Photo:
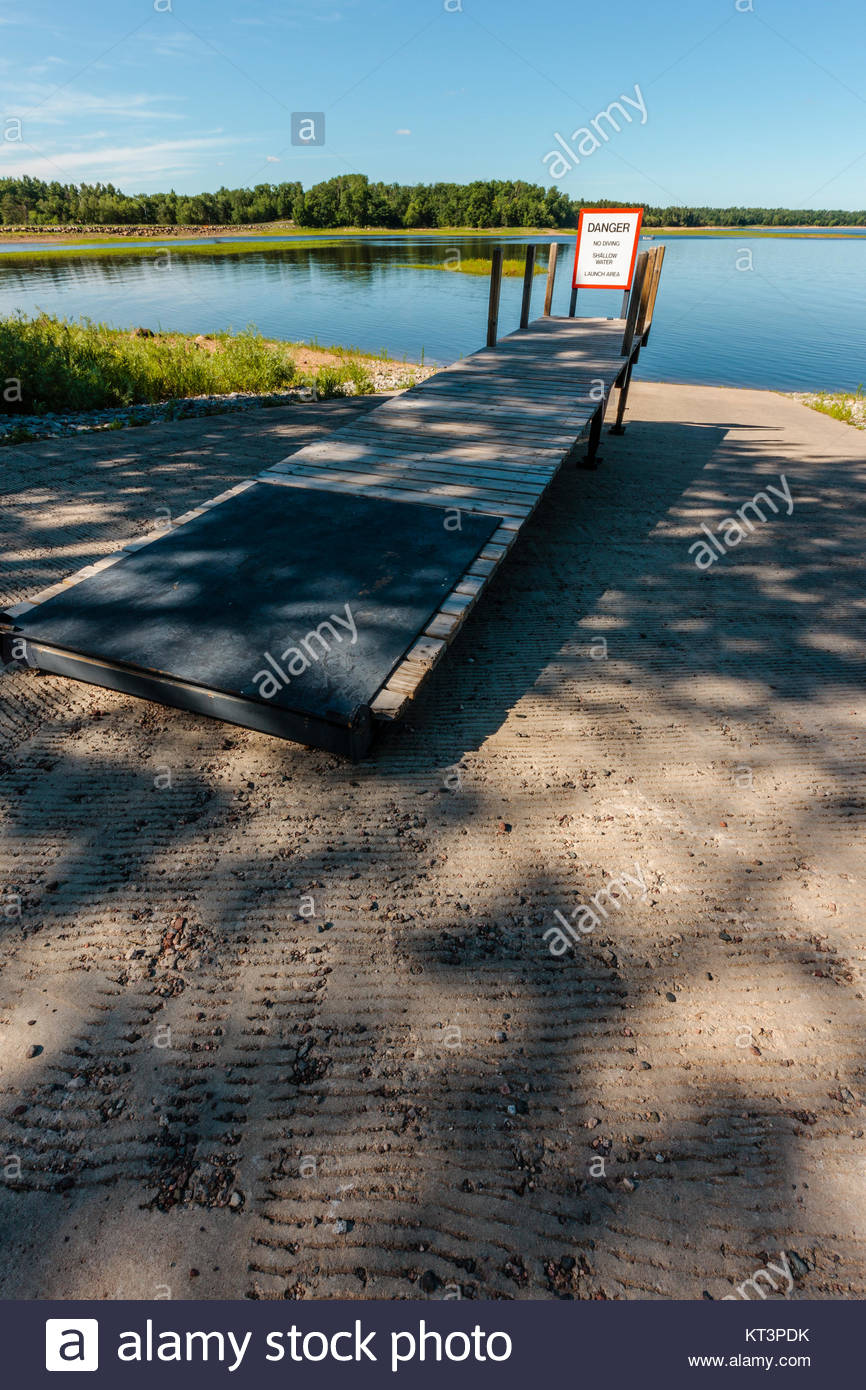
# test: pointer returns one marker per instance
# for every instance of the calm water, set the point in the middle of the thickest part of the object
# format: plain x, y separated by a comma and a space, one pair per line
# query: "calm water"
793, 321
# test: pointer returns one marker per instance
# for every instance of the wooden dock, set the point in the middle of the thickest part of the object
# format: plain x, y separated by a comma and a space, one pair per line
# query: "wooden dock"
488, 435
483, 438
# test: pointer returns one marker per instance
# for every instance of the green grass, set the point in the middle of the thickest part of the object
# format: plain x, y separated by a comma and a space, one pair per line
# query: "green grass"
792, 232
155, 250
67, 366
478, 266
19, 435
332, 381
848, 406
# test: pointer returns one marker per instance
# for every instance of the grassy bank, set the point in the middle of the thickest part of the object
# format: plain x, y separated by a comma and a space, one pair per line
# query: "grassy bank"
848, 406
814, 234
55, 365
156, 251
477, 266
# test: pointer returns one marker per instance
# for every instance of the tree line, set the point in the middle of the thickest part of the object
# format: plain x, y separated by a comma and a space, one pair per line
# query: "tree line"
352, 200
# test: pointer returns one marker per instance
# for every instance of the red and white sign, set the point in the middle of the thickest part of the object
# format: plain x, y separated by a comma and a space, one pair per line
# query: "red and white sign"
606, 248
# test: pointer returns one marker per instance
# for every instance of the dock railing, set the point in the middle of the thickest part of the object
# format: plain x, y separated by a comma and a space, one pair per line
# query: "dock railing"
638, 304
528, 279
645, 287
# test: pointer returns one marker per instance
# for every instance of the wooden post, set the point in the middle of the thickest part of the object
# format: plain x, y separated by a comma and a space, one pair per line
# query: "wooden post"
624, 310
654, 289
645, 293
634, 303
528, 274
572, 303
551, 276
495, 287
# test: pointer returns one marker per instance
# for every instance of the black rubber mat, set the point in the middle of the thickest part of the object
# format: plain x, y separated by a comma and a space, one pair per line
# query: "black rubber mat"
300, 599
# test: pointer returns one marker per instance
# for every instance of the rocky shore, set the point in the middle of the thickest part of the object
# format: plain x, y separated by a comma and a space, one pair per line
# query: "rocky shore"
137, 230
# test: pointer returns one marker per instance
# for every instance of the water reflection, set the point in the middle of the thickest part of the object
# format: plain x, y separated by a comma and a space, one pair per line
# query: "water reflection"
792, 321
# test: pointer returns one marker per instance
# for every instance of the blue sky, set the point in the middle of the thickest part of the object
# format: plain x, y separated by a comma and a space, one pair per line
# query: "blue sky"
757, 102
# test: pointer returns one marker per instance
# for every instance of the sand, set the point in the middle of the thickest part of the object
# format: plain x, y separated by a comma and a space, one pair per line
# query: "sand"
278, 1026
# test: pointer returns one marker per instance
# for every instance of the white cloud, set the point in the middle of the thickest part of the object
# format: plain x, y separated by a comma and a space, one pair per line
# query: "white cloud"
45, 104
272, 159
117, 164
402, 131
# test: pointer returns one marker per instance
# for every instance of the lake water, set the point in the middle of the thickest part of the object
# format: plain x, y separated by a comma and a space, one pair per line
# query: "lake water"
784, 313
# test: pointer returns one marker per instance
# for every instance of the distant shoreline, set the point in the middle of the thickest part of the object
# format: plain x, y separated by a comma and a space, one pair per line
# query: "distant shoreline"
98, 237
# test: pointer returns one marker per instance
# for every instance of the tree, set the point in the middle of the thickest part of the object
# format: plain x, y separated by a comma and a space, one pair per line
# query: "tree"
350, 200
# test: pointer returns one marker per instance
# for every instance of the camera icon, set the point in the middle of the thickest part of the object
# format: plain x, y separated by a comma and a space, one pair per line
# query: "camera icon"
71, 1344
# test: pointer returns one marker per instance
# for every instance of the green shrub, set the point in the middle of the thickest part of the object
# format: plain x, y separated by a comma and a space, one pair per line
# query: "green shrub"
19, 435
848, 406
348, 380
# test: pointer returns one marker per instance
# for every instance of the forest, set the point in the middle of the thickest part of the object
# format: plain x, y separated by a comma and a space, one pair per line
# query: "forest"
352, 200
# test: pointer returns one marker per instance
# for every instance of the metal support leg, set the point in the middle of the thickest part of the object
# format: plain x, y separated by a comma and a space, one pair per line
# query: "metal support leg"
619, 427
591, 460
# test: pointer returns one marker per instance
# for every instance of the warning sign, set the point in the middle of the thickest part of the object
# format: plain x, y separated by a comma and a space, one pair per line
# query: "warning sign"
606, 248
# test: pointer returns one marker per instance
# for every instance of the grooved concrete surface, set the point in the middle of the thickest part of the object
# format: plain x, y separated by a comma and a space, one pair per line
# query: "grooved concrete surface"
297, 1030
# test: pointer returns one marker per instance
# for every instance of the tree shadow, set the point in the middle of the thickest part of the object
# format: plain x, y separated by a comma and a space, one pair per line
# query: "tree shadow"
75, 499
461, 1163
592, 564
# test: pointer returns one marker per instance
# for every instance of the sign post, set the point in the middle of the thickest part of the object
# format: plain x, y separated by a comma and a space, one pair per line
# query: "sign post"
606, 250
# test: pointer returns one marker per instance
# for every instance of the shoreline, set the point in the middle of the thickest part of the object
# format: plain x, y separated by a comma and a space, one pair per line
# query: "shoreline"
285, 234
846, 407
383, 375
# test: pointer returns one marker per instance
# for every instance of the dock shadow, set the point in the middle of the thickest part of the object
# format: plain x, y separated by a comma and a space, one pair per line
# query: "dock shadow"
568, 555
